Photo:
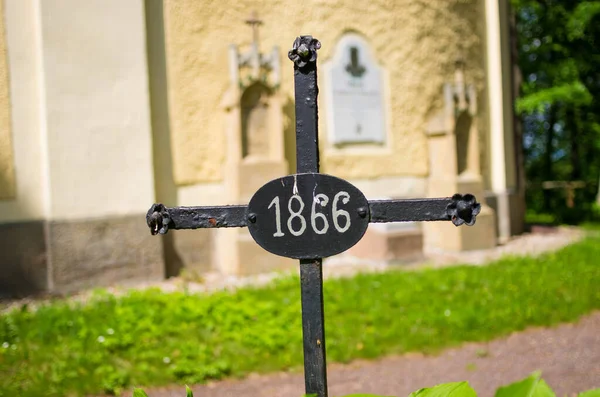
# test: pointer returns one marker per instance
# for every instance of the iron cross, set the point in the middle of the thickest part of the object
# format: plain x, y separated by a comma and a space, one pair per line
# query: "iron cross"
338, 217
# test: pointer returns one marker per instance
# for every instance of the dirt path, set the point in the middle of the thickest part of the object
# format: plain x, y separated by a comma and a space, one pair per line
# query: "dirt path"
568, 355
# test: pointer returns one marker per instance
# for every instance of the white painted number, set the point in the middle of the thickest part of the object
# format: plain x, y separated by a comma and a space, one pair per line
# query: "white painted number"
337, 213
297, 214
323, 200
320, 199
278, 232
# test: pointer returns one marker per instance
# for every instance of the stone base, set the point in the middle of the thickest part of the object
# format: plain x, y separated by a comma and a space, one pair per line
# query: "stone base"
387, 244
192, 251
444, 236
515, 203
253, 259
253, 175
23, 259
61, 257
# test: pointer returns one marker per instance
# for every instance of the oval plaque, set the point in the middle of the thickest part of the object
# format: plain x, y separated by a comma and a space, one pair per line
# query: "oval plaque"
305, 216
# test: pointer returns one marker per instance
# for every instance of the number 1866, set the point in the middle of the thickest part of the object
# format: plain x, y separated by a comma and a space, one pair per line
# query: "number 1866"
320, 199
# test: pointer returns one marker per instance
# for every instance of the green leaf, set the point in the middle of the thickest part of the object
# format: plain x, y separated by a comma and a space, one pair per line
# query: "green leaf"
139, 393
590, 393
455, 389
188, 391
581, 18
532, 386
572, 93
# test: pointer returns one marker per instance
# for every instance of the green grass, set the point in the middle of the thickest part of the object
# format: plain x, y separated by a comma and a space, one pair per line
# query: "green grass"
151, 338
532, 217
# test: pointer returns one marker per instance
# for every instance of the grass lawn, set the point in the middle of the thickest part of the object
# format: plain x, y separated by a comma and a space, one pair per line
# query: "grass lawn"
150, 338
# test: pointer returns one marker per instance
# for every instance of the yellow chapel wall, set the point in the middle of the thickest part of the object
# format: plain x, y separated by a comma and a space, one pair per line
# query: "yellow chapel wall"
415, 41
7, 166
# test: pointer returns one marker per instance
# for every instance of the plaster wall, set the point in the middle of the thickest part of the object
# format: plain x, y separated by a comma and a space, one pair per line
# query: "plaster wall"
7, 166
97, 108
505, 193
24, 66
502, 158
416, 42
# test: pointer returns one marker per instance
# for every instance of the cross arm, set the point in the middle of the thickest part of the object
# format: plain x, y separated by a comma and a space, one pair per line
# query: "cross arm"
563, 184
459, 209
160, 218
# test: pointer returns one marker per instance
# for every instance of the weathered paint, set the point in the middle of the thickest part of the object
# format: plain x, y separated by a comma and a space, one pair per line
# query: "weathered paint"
416, 41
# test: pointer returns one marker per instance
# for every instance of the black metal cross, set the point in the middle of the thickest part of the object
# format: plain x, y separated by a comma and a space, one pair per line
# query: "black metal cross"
459, 209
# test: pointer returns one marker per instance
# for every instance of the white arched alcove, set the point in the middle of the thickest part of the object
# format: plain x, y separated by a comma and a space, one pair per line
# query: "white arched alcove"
355, 94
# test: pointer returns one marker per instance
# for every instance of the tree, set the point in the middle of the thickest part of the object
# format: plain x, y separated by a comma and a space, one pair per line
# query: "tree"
559, 102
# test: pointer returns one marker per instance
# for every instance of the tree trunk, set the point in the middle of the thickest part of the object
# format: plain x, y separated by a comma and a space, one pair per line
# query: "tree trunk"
575, 156
548, 175
598, 194
517, 80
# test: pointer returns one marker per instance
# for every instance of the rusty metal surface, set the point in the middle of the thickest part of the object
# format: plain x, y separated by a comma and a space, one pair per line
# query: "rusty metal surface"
459, 209
161, 219
304, 56
313, 326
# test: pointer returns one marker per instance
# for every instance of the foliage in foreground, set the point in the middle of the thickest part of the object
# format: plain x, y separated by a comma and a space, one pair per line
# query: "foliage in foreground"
532, 386
152, 338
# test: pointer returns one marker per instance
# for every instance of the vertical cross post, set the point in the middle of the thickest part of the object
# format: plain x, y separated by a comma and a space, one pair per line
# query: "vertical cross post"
304, 54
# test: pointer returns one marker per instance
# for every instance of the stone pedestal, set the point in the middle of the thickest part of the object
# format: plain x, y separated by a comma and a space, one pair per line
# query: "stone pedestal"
255, 155
453, 141
390, 242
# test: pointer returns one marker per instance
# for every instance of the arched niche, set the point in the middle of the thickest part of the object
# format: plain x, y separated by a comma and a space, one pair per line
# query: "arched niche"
462, 132
355, 93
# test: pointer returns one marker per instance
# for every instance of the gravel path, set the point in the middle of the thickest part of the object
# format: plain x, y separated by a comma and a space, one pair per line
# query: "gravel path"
531, 244
568, 356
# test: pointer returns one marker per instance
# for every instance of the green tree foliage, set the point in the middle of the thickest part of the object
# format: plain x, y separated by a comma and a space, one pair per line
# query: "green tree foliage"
558, 44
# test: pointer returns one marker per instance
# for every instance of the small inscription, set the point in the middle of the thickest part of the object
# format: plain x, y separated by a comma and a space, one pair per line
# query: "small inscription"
319, 199
355, 94
306, 216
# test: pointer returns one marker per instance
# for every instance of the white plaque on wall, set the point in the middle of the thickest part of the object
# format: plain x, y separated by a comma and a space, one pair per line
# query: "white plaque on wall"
355, 94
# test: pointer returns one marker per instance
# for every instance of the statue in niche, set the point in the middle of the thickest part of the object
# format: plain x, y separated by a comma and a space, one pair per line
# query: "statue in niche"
255, 121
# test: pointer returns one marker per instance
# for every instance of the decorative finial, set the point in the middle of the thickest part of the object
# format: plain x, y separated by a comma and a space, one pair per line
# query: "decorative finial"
257, 63
254, 22
158, 219
459, 62
304, 50
463, 209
